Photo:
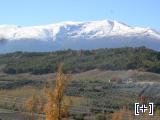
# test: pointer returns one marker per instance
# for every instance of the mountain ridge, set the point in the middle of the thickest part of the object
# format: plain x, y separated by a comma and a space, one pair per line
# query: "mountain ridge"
76, 35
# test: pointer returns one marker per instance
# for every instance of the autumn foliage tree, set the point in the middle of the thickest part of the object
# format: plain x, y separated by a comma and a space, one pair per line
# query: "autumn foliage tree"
56, 108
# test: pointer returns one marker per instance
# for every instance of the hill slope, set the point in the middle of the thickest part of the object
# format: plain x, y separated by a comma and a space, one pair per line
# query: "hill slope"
82, 60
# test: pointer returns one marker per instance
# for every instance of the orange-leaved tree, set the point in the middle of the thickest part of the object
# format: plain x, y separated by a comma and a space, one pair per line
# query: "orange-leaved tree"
56, 108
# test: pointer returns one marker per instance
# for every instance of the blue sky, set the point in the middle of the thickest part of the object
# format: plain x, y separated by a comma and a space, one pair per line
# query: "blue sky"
144, 13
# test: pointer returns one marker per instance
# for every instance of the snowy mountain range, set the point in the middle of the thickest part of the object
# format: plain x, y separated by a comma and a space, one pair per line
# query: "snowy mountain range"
76, 35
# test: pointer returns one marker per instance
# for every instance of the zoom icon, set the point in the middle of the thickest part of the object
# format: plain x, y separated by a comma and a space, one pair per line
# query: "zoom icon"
143, 108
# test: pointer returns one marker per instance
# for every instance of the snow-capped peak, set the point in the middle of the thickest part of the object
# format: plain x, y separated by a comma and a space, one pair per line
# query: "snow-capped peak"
76, 35
71, 29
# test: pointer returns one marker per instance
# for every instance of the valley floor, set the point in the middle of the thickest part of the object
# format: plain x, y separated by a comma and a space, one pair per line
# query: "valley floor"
92, 93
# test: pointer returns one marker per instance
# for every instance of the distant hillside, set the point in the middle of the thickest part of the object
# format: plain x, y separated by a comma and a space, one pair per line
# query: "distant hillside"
82, 60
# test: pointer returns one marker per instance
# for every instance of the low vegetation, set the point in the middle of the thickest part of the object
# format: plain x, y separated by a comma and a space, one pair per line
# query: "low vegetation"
82, 60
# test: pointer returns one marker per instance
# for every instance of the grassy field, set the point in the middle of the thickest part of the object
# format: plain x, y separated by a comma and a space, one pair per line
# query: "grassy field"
95, 91
13, 115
